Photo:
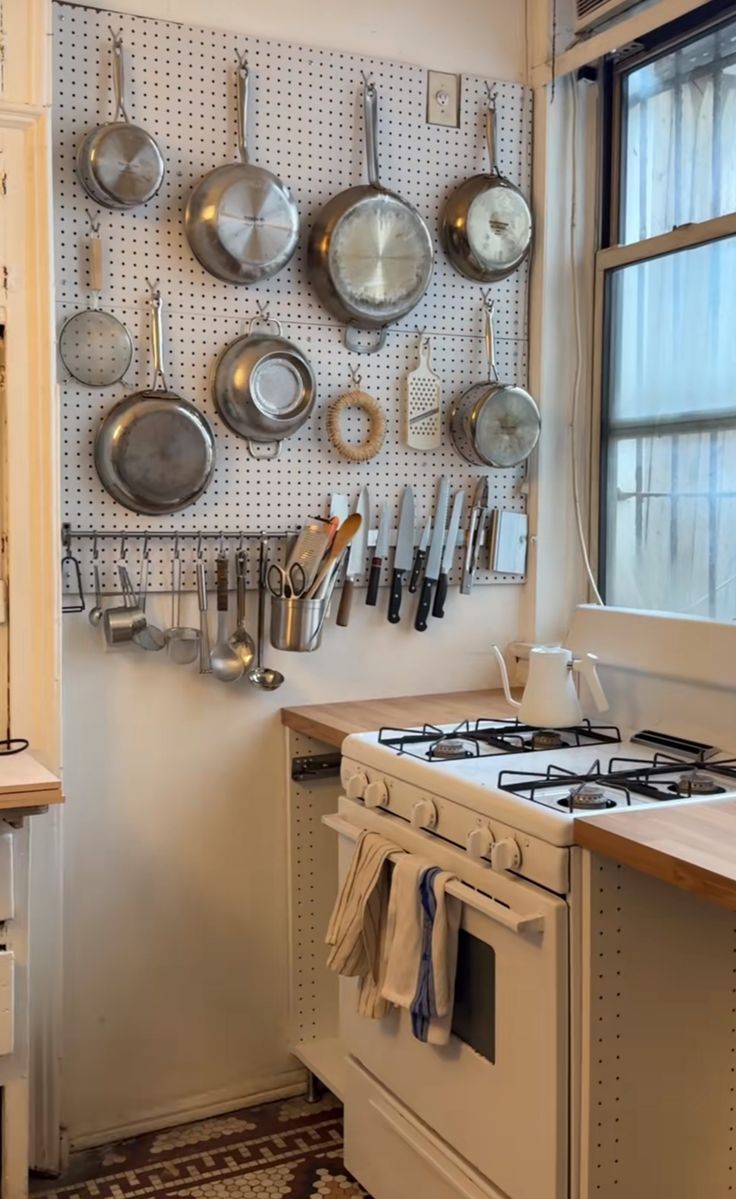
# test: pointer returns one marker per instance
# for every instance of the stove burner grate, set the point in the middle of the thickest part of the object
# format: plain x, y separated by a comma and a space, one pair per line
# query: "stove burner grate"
504, 736
695, 782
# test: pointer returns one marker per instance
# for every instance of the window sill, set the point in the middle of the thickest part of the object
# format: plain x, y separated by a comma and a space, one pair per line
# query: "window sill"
660, 643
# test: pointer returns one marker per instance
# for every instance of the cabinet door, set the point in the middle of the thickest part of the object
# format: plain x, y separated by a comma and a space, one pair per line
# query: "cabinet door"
25, 47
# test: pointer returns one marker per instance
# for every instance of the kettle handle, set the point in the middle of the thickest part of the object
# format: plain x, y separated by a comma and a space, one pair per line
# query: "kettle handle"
505, 678
586, 666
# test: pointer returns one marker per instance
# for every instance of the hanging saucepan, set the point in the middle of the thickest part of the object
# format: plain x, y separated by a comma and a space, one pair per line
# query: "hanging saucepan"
493, 423
264, 388
120, 165
370, 252
155, 452
242, 222
487, 222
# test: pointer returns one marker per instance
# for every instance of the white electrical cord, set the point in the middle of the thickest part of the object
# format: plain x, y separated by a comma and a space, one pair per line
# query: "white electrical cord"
578, 349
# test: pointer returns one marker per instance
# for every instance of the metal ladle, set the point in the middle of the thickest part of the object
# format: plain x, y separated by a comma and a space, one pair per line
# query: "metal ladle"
96, 613
240, 639
226, 663
259, 675
149, 637
182, 640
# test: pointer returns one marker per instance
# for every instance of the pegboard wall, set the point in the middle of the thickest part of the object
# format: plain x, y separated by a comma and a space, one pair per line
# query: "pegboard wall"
305, 124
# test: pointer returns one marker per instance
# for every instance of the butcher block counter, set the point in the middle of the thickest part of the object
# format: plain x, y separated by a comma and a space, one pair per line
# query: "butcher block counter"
691, 846
25, 784
332, 723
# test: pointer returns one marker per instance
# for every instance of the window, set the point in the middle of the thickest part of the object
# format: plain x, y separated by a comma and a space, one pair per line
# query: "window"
668, 288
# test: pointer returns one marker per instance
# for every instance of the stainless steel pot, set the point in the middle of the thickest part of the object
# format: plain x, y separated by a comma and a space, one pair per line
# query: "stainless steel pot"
242, 222
370, 253
155, 452
494, 423
120, 165
486, 224
264, 388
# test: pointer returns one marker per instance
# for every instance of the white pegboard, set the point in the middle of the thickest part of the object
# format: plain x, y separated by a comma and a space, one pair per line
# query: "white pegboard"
306, 125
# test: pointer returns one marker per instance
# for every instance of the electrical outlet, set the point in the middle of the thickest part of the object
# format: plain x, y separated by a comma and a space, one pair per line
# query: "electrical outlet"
443, 99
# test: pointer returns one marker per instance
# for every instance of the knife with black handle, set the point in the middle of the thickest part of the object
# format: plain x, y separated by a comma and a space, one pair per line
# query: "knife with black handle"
419, 557
440, 595
402, 557
379, 554
433, 558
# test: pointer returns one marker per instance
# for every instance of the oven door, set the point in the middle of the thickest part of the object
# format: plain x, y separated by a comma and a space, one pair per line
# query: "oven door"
498, 1092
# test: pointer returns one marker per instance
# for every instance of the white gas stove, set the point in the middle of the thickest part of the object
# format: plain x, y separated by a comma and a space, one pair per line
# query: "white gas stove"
508, 794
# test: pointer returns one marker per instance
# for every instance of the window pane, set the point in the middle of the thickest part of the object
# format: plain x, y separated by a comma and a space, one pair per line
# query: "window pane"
672, 336
671, 535
678, 156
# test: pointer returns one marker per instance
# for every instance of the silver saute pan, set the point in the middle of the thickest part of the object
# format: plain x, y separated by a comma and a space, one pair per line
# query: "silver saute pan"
494, 423
155, 452
370, 253
120, 165
241, 221
263, 387
487, 222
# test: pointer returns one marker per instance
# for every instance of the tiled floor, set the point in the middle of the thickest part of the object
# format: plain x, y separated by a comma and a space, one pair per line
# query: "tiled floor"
285, 1150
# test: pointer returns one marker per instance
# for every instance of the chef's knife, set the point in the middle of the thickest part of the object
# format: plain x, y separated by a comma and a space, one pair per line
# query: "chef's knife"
421, 554
403, 555
435, 554
440, 595
356, 559
379, 554
475, 535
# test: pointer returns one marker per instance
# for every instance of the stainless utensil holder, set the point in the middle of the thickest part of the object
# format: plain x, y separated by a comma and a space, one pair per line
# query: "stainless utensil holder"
297, 624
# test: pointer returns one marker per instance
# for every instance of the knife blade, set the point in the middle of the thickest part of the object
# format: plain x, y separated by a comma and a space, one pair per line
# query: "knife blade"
434, 557
403, 555
356, 559
440, 595
475, 534
421, 554
379, 553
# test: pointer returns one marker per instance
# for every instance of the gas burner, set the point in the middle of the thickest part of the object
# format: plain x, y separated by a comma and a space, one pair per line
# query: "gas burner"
451, 748
548, 739
588, 797
695, 782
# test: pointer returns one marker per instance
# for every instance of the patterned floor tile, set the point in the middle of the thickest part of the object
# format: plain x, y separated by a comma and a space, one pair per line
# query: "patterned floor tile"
286, 1150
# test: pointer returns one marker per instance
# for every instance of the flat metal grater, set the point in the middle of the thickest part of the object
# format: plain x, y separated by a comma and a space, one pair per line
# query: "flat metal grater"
423, 404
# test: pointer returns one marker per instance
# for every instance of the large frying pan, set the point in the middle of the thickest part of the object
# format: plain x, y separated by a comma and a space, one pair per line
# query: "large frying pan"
155, 452
370, 253
242, 222
120, 165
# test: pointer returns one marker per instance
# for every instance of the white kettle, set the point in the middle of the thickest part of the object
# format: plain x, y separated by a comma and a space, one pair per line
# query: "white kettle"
550, 699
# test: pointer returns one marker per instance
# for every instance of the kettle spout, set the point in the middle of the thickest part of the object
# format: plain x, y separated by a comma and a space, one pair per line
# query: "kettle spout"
505, 679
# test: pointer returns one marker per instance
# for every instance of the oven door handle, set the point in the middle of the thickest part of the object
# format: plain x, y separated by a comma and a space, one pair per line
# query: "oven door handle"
516, 922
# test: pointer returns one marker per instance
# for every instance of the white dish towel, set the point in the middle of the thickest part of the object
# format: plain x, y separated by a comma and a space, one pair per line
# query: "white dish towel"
356, 932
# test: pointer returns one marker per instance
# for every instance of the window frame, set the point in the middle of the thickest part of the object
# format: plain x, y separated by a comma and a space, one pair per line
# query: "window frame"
611, 254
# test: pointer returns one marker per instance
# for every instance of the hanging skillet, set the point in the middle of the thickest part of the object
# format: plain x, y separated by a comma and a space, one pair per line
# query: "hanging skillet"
487, 222
370, 252
155, 452
242, 222
494, 423
120, 165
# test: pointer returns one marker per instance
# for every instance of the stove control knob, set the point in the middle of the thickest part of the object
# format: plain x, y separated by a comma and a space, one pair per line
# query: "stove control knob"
506, 855
355, 785
479, 843
376, 794
423, 814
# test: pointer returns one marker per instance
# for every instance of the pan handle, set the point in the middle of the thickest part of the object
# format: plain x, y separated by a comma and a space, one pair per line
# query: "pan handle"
157, 340
353, 344
243, 97
264, 449
491, 132
489, 306
118, 78
370, 117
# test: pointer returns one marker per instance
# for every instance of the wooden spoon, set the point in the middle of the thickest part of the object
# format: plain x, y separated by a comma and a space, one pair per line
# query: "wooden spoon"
342, 538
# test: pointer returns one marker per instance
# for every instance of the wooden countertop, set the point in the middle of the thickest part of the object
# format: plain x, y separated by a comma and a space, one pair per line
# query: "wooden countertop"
332, 723
24, 783
693, 846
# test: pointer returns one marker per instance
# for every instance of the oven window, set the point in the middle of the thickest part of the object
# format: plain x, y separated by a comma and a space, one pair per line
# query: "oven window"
474, 1016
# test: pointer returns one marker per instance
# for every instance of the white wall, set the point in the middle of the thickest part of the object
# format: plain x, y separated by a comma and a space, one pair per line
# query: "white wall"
481, 37
175, 881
